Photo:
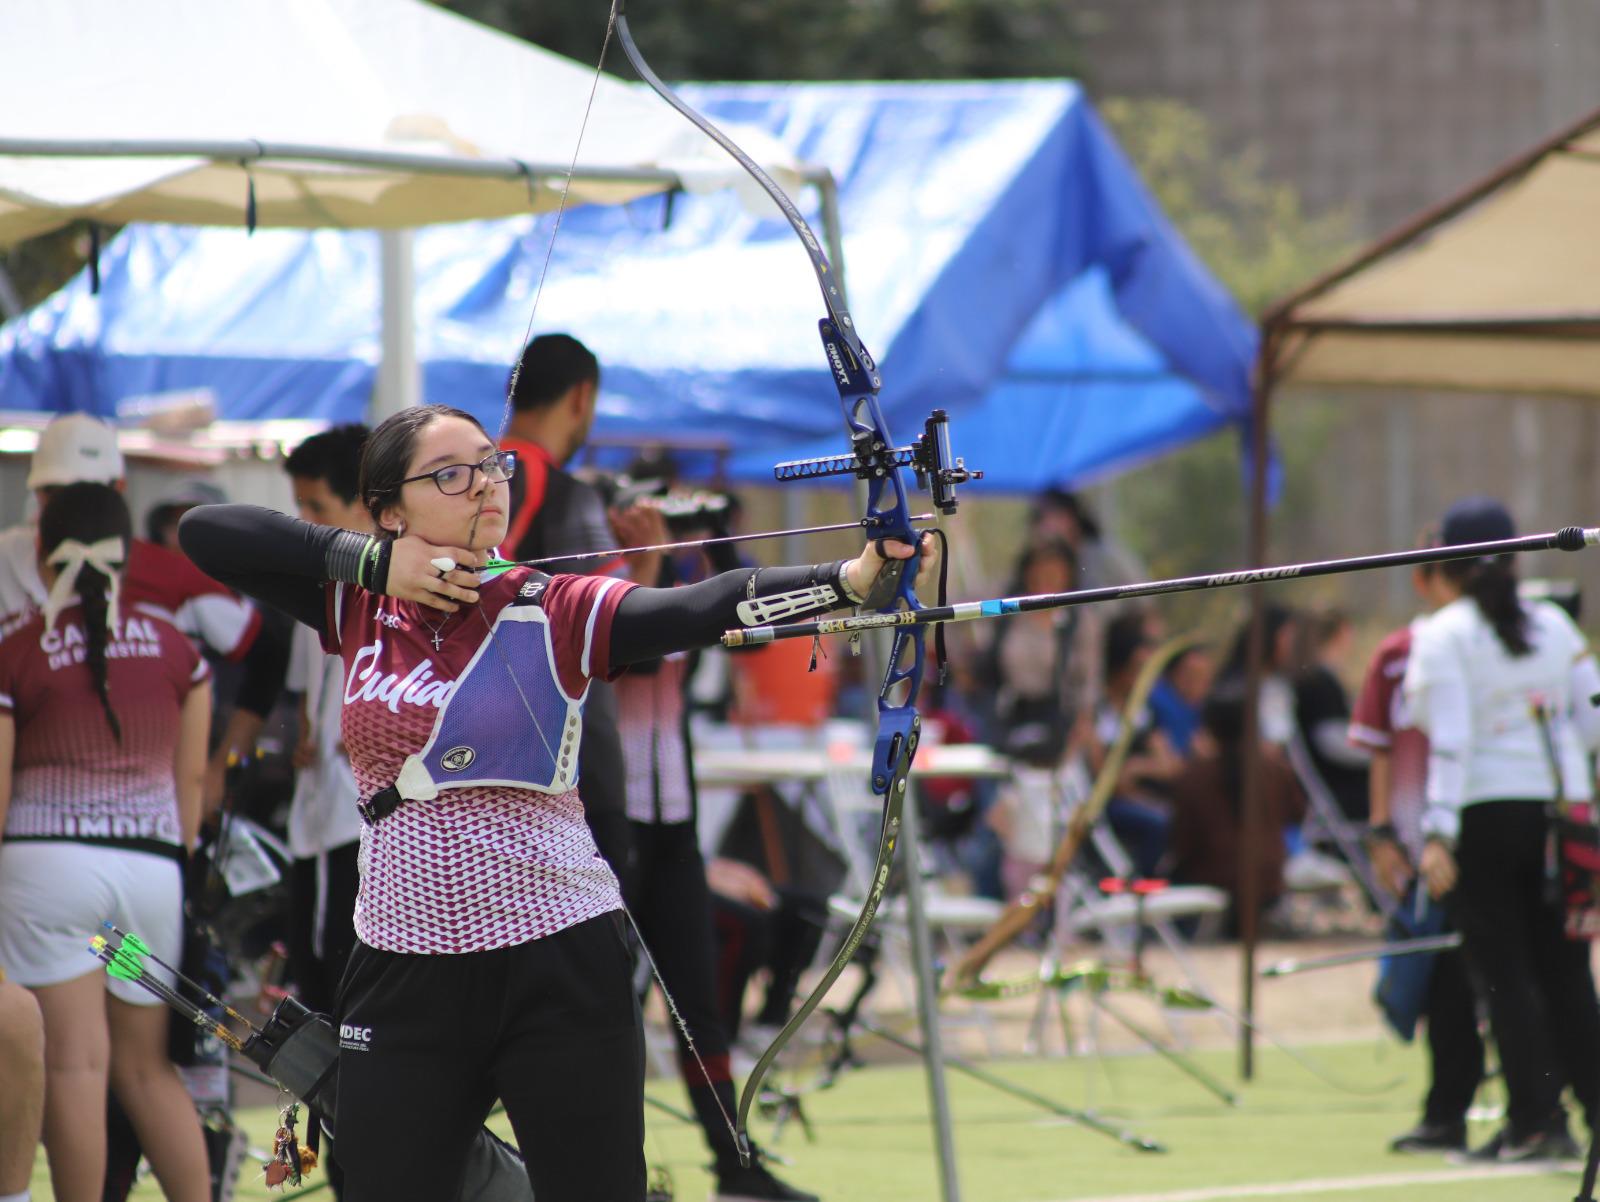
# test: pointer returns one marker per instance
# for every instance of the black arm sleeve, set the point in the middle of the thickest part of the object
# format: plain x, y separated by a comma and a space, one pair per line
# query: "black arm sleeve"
266, 555
652, 622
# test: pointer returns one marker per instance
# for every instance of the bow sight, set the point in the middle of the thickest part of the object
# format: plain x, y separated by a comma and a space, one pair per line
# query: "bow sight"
938, 472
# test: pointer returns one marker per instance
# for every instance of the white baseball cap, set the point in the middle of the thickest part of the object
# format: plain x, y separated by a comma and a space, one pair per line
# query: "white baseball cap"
76, 448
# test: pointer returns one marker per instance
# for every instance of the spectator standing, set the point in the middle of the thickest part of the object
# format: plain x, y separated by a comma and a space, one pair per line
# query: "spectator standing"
1398, 779
557, 386
103, 718
324, 823
1478, 668
77, 448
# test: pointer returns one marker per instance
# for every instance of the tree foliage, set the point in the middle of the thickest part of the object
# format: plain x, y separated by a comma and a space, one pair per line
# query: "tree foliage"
808, 39
1187, 512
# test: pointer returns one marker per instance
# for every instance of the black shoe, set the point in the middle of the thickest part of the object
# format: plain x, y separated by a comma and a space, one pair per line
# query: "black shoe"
1547, 1145
1432, 1137
1501, 1148
755, 1184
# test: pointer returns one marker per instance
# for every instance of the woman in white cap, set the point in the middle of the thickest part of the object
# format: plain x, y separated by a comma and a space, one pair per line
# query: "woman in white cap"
103, 721
1503, 689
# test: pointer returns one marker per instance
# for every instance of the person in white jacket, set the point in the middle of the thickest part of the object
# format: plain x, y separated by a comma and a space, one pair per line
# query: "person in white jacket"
1482, 668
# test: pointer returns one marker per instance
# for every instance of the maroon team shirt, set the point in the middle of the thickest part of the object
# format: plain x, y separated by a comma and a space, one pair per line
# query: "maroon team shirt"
71, 778
1382, 721
476, 868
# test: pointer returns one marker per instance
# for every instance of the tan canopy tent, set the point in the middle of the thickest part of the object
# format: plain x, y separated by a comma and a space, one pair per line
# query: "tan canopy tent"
1495, 290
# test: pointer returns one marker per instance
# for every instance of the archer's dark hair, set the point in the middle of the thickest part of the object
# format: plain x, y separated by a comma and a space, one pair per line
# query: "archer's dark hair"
1492, 583
89, 513
334, 457
549, 367
387, 454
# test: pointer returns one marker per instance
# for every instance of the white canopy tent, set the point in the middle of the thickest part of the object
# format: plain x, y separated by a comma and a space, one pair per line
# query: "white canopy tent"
384, 114
346, 113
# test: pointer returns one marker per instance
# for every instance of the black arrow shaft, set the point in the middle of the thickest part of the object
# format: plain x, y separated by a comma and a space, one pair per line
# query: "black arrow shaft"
1570, 538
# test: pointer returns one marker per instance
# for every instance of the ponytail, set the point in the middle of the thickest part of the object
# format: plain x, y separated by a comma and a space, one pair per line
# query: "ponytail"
1492, 585
95, 517
92, 590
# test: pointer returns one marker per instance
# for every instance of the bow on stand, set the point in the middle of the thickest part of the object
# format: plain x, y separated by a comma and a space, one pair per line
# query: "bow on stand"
873, 458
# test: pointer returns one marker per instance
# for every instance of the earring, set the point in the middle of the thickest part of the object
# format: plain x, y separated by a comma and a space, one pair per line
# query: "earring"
400, 530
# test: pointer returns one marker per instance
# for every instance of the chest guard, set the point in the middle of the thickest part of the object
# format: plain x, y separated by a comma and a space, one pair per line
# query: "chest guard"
484, 735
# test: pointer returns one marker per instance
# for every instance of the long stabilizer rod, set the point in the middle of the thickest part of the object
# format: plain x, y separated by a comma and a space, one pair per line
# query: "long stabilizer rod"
1571, 538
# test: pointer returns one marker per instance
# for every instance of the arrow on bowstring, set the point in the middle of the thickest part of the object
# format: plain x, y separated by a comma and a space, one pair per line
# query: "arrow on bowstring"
1569, 538
868, 524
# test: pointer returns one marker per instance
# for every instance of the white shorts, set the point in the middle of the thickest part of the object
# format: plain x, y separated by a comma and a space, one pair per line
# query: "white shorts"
54, 896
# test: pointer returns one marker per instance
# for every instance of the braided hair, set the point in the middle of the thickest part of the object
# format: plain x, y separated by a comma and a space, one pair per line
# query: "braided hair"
89, 513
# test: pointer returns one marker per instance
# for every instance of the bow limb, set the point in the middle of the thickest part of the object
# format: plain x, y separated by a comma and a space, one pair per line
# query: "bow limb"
888, 516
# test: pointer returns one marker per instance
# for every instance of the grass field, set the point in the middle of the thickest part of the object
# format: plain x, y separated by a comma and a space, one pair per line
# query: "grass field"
1292, 1135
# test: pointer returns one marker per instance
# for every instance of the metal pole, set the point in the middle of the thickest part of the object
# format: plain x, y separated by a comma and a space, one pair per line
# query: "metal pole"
928, 1005
1250, 842
399, 381
10, 302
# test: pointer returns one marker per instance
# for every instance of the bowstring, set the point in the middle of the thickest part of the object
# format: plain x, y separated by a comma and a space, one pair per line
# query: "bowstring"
505, 421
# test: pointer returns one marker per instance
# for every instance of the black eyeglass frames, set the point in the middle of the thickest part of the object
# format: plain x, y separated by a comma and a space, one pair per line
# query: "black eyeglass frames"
455, 478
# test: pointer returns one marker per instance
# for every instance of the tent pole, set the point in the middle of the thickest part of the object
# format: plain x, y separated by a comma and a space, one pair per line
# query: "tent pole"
399, 383
1249, 893
10, 302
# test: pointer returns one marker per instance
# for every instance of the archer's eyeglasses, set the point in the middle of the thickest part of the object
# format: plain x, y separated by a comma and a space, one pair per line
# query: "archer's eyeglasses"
456, 478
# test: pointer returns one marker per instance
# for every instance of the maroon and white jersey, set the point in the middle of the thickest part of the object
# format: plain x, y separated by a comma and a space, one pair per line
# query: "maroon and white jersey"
655, 748
71, 778
474, 868
1382, 721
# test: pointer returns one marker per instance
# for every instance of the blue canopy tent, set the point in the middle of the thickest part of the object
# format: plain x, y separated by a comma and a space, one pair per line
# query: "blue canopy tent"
1003, 261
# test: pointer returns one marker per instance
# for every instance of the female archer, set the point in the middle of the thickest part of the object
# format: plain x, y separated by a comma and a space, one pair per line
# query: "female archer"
490, 960
103, 719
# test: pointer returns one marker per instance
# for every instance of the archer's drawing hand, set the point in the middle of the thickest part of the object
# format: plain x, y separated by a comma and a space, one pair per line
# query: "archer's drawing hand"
862, 572
413, 576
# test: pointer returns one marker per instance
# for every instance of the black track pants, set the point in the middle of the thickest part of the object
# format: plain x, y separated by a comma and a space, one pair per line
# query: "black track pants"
1455, 1049
1539, 985
550, 1027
